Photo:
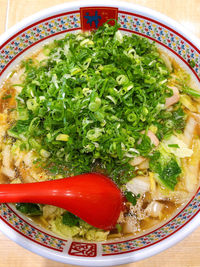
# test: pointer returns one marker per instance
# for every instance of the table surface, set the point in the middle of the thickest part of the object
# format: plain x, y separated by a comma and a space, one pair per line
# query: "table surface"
187, 252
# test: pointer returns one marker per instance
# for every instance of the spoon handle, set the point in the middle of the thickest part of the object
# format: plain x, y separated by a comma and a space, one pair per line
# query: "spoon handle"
39, 192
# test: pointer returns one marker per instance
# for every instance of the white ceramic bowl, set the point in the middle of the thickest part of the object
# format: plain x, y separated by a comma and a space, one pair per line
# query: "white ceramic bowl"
54, 22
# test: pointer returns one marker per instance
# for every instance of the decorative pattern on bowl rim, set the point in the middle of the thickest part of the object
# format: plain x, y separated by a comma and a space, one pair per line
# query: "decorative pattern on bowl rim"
133, 23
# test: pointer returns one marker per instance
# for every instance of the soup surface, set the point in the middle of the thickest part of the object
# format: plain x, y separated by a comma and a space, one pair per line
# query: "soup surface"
109, 103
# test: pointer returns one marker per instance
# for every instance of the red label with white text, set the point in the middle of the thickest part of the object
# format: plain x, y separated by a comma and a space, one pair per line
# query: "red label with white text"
83, 249
94, 17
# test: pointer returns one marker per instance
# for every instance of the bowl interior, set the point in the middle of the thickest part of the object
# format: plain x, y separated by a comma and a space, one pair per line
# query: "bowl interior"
54, 24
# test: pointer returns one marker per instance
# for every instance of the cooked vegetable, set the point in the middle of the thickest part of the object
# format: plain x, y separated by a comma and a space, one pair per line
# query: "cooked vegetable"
138, 185
177, 147
85, 230
29, 209
64, 230
137, 160
187, 102
166, 169
189, 130
70, 219
131, 197
191, 167
154, 209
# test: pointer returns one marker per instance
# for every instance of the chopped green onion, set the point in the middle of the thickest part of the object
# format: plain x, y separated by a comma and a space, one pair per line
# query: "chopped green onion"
174, 145
94, 106
62, 137
191, 92
87, 104
6, 97
32, 104
44, 153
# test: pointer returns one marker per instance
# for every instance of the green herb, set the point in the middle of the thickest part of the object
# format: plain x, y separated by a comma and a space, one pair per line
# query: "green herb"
6, 97
29, 209
174, 145
70, 219
119, 227
190, 91
183, 82
170, 121
131, 197
18, 129
166, 168
100, 90
170, 173
179, 119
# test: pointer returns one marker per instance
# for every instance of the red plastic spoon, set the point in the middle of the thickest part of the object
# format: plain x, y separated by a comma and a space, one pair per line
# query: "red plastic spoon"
92, 197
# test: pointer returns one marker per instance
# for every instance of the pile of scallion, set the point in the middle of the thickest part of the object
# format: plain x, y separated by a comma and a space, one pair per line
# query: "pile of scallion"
89, 104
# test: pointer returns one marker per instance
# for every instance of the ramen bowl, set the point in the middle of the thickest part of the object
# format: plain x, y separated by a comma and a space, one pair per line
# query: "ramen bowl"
54, 23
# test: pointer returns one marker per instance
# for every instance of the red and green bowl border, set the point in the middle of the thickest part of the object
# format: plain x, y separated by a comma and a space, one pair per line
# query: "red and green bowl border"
133, 22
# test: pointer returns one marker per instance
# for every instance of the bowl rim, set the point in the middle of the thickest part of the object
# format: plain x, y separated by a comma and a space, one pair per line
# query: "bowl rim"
115, 259
102, 261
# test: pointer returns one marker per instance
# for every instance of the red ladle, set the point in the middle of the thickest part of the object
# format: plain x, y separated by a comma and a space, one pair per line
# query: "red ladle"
93, 197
